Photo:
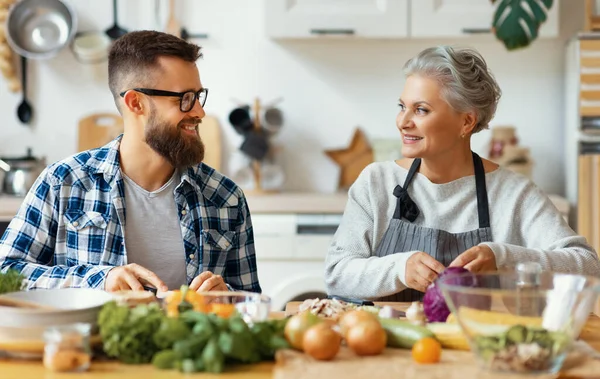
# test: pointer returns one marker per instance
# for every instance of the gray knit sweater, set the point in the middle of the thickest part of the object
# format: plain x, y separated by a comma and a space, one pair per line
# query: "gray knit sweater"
526, 226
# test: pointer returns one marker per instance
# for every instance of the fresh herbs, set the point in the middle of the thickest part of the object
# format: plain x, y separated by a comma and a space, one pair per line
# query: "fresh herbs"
11, 281
128, 333
192, 342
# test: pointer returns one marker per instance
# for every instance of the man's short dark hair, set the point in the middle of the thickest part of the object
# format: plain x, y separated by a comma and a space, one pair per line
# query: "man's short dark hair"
133, 57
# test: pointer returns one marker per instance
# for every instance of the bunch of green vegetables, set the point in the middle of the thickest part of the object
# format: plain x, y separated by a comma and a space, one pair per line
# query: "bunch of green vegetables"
11, 281
128, 333
190, 343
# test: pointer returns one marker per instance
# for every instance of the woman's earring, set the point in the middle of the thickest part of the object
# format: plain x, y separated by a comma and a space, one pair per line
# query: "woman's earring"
462, 136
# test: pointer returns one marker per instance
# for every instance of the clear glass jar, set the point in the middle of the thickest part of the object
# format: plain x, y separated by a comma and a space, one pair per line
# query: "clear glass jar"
67, 347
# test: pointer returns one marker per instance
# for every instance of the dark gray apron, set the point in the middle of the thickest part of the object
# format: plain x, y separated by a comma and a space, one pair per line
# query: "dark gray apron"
402, 236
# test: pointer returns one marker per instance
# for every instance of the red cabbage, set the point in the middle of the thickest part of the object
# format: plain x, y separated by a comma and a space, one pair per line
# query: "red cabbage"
434, 305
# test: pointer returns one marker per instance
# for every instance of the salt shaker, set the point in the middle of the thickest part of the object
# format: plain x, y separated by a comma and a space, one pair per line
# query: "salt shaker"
529, 300
67, 347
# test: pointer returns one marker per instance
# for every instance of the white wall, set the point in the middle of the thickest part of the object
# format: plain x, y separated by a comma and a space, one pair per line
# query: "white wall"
329, 87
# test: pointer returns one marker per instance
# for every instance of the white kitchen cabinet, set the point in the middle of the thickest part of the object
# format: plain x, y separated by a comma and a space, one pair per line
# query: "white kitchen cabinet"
318, 18
463, 18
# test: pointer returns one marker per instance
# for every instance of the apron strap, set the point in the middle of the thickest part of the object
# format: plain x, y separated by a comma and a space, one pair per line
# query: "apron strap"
405, 206
482, 199
414, 167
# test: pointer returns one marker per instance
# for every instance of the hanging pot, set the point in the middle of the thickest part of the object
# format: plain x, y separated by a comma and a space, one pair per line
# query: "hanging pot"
39, 29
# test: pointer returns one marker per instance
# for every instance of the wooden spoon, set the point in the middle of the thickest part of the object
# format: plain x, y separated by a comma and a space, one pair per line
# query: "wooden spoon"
173, 27
10, 302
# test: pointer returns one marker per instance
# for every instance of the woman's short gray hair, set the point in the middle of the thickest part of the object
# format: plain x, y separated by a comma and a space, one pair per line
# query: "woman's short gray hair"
467, 83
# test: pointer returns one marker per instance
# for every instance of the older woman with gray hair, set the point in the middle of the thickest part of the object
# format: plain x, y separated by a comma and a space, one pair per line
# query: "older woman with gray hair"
442, 205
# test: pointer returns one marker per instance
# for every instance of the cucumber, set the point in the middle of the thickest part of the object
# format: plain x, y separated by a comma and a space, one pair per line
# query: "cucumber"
403, 334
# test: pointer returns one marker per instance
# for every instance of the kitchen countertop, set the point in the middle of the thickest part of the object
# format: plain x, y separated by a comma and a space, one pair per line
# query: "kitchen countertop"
112, 369
9, 205
297, 202
284, 202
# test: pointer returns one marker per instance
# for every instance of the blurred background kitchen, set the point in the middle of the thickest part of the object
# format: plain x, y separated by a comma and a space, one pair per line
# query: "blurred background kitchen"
303, 94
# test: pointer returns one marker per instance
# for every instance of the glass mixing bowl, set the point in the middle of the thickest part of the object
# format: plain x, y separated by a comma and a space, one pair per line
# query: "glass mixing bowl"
520, 322
252, 307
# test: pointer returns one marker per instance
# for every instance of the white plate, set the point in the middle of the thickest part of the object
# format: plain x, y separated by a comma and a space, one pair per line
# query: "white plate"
25, 327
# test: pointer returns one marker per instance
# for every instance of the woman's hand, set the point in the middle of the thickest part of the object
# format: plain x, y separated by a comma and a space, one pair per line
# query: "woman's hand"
421, 270
477, 259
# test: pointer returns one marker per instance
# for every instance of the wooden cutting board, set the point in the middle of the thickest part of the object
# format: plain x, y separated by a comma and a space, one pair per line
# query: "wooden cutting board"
398, 363
98, 129
210, 133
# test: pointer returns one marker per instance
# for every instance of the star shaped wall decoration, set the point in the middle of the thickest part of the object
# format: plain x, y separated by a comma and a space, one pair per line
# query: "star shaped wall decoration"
353, 159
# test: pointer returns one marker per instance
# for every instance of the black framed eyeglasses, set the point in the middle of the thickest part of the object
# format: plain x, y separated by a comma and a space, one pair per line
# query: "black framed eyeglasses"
186, 99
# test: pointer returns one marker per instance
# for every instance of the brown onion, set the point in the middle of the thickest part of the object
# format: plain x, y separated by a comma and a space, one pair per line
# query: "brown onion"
322, 342
352, 318
367, 338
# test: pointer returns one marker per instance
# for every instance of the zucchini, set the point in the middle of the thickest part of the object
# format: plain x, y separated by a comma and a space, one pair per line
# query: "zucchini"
403, 334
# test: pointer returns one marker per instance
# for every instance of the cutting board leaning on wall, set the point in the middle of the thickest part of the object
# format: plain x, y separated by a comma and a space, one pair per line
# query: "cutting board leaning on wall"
98, 129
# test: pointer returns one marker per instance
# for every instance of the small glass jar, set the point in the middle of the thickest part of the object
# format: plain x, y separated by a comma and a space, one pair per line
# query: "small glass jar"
67, 347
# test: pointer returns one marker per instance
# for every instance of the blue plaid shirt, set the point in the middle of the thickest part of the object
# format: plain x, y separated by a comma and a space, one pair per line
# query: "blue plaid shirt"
69, 229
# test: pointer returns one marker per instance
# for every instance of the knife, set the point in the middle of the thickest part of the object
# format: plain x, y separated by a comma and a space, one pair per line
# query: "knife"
350, 300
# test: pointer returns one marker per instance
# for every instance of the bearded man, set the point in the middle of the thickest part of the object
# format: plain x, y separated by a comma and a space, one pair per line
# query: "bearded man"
142, 211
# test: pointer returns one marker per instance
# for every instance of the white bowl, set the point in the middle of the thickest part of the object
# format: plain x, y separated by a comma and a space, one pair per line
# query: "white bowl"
21, 329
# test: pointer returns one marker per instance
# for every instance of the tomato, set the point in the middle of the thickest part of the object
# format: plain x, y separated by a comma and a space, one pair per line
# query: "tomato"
427, 350
352, 318
367, 338
321, 342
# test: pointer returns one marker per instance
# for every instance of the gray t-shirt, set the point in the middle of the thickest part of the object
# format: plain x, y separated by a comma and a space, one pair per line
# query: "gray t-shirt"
152, 231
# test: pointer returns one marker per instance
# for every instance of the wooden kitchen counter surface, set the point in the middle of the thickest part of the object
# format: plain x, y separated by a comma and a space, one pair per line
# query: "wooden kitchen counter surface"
114, 370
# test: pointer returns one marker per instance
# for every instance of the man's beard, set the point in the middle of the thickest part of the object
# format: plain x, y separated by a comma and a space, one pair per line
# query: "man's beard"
171, 142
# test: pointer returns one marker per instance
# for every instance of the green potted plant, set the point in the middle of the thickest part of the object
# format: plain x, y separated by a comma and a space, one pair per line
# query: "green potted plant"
517, 22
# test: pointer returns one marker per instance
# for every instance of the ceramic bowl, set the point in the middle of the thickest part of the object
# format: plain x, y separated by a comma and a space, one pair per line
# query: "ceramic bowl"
21, 329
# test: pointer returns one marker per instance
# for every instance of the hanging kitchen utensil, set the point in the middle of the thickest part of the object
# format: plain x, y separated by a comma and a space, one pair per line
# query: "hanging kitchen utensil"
98, 129
24, 111
115, 31
240, 119
173, 26
39, 29
210, 133
157, 15
186, 35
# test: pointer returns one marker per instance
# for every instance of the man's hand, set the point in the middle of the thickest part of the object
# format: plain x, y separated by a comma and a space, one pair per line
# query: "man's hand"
477, 259
132, 277
421, 270
207, 281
